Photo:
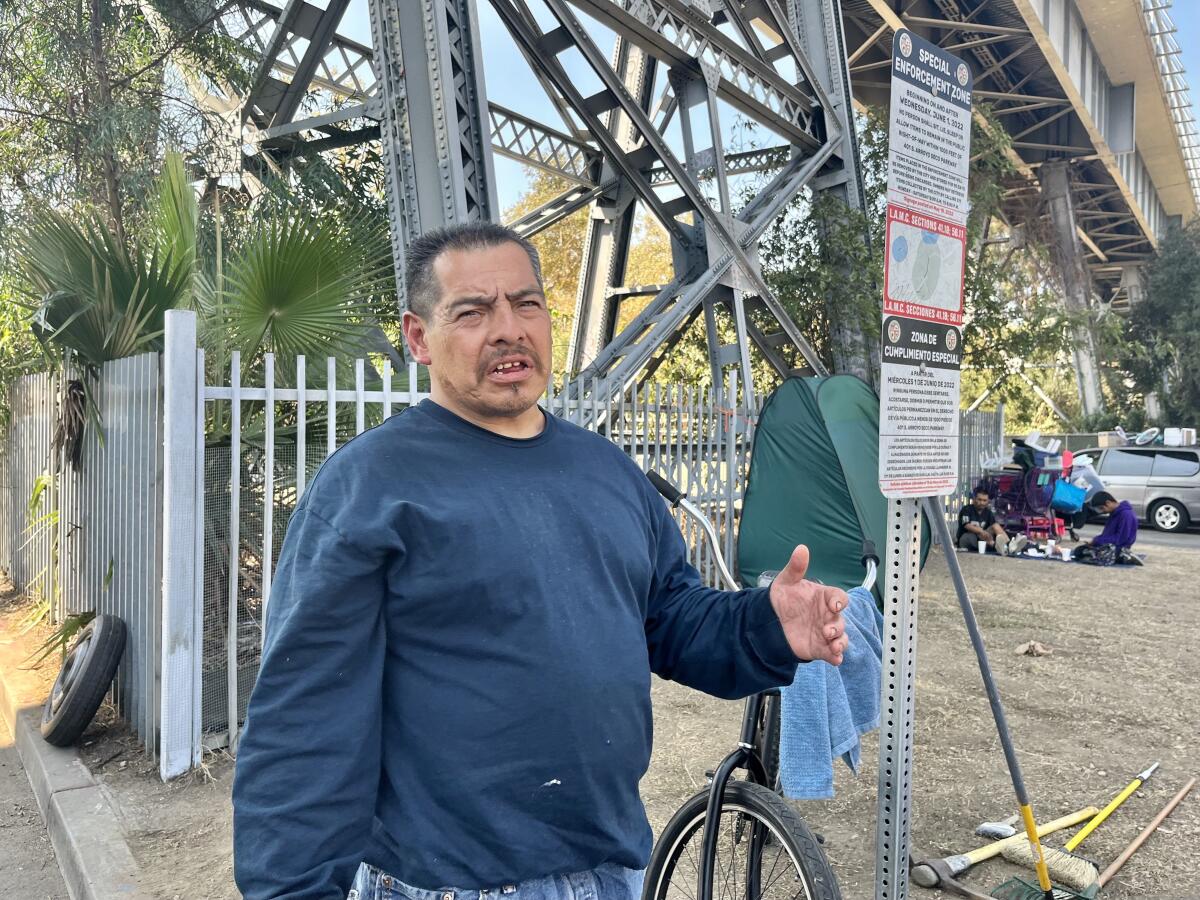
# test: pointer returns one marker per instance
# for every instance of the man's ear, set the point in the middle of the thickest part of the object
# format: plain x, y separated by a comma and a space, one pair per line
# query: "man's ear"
415, 336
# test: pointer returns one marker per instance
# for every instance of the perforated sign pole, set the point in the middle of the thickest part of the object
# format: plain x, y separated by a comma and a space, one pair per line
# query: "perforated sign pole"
902, 562
920, 352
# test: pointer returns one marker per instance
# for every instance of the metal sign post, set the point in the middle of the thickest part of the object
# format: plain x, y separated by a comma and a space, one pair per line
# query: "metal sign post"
896, 720
921, 349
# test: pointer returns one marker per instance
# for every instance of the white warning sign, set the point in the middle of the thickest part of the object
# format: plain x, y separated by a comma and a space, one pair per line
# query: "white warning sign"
928, 166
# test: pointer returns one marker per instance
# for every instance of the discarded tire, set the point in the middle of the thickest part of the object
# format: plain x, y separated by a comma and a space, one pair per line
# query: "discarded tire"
83, 680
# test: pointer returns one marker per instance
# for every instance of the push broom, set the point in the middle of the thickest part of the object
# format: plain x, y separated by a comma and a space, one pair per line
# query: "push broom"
1064, 866
1019, 889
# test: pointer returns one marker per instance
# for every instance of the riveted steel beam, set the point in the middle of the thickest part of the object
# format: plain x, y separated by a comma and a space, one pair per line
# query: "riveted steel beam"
676, 34
521, 138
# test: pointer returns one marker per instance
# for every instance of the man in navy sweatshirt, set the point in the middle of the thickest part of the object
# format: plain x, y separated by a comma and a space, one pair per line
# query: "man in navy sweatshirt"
1121, 528
468, 606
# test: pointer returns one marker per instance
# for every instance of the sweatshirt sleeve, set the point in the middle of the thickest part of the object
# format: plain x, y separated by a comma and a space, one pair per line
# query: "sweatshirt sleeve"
307, 765
1120, 529
728, 644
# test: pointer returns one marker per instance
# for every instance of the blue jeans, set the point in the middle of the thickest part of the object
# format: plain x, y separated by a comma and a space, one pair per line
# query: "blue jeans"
606, 882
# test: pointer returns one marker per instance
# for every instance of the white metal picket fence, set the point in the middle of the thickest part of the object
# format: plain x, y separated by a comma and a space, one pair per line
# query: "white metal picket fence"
254, 447
175, 520
980, 436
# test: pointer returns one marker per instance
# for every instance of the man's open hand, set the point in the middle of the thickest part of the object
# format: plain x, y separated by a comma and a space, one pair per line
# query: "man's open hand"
811, 613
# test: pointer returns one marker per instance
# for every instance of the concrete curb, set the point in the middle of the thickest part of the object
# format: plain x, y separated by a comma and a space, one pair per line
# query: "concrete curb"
95, 860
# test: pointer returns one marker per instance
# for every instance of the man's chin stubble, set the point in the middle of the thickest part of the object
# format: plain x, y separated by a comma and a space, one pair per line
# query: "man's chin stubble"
517, 409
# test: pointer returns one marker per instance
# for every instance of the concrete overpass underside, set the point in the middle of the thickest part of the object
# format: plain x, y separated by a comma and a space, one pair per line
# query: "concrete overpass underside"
1074, 82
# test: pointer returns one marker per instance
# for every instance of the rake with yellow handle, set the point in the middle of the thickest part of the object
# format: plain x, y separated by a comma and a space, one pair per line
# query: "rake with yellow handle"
1065, 867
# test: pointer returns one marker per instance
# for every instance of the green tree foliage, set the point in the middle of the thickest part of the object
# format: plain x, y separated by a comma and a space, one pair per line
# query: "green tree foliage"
560, 248
98, 298
88, 96
292, 286
1160, 342
816, 257
821, 256
20, 353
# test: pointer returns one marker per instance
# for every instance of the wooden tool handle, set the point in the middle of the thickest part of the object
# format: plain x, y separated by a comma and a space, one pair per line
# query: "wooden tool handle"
1146, 832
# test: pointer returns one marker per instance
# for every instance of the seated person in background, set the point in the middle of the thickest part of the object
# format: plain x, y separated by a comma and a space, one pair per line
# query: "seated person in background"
977, 522
1121, 528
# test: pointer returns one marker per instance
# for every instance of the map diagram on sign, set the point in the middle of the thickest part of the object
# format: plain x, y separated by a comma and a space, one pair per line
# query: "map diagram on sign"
924, 267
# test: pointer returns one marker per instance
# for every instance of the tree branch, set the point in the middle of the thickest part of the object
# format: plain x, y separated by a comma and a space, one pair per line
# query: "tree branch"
29, 114
174, 45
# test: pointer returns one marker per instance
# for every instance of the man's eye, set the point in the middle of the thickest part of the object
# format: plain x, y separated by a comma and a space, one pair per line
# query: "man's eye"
469, 313
531, 303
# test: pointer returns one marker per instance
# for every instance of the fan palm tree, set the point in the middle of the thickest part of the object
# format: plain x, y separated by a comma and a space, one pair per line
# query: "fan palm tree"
295, 287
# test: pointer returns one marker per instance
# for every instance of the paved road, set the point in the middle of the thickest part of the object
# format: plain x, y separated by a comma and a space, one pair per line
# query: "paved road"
29, 870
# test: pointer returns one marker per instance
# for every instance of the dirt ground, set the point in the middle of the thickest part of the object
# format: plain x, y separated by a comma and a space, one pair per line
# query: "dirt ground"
1118, 693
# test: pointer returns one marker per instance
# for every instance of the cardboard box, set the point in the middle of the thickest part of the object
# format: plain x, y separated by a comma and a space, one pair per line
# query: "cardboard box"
1110, 439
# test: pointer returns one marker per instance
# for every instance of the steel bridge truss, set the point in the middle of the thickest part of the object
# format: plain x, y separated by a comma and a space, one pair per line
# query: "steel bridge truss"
779, 64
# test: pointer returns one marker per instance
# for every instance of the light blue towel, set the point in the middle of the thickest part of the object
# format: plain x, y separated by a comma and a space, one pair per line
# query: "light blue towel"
827, 708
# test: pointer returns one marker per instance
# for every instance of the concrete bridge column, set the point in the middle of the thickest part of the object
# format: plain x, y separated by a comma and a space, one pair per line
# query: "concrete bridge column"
1077, 284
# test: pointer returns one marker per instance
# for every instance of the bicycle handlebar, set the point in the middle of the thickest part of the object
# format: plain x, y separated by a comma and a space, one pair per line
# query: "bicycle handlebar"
671, 493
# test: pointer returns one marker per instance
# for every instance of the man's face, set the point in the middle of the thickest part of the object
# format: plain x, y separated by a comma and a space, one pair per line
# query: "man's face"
1110, 506
487, 341
981, 501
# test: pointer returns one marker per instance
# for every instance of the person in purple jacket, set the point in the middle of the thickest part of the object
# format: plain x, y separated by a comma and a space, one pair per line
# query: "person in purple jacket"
1121, 528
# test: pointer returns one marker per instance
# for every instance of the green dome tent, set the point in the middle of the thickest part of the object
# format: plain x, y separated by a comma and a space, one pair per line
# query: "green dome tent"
814, 479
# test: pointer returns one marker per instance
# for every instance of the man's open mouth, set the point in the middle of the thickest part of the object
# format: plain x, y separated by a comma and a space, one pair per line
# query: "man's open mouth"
510, 370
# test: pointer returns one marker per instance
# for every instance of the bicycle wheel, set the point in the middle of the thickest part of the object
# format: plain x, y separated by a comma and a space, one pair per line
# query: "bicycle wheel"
764, 852
766, 737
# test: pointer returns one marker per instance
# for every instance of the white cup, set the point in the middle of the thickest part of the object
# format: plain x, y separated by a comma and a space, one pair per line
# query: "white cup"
982, 547
1066, 554
1050, 547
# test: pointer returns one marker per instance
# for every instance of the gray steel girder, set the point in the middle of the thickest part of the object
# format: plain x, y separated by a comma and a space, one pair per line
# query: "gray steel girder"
672, 31
611, 151
610, 227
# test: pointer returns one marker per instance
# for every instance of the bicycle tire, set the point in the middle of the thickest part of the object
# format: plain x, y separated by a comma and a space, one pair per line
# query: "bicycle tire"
673, 868
767, 738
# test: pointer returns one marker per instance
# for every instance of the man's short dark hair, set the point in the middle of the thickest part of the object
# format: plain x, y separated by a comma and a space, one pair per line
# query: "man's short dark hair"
423, 288
984, 491
1101, 497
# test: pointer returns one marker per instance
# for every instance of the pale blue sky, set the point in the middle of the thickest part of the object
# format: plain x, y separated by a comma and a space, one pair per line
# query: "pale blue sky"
1186, 14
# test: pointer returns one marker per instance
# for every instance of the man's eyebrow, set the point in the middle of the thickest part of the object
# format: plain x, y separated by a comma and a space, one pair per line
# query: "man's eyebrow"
524, 292
477, 300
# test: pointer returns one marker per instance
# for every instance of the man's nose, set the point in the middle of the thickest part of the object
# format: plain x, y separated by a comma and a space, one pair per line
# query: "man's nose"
506, 325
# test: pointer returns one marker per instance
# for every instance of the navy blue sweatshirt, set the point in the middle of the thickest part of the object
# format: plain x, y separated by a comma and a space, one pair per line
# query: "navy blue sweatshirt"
455, 684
